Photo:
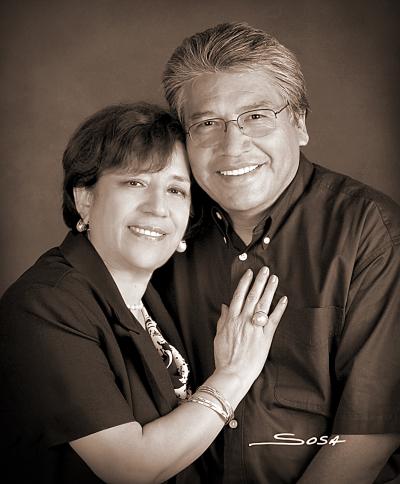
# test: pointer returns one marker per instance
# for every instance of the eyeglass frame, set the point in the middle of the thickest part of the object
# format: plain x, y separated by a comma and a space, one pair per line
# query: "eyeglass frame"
237, 121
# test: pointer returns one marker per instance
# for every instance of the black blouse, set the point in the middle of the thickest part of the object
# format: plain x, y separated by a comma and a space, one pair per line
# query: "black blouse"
74, 361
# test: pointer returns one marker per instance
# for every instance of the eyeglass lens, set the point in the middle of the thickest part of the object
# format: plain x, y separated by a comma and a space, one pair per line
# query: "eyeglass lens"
252, 123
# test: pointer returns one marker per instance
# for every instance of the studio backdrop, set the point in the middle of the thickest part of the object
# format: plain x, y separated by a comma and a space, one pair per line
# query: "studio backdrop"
62, 60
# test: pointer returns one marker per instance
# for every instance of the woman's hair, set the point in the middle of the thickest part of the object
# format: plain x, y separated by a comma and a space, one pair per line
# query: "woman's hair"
138, 137
233, 47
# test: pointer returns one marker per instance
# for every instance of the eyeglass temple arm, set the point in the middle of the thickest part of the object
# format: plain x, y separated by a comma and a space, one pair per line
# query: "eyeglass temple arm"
284, 107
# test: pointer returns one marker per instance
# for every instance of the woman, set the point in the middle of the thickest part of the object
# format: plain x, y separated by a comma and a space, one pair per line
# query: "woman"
92, 382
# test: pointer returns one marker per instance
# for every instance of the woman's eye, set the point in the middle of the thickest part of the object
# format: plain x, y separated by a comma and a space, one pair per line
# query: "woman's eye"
178, 191
135, 183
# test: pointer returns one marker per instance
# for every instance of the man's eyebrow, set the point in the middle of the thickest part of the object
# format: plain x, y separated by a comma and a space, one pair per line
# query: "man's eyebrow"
267, 104
201, 115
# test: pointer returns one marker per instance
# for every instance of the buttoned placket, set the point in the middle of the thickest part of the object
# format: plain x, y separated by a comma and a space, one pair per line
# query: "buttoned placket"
234, 432
251, 256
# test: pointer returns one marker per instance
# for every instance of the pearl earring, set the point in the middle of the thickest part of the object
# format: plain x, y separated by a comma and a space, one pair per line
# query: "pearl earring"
181, 246
81, 226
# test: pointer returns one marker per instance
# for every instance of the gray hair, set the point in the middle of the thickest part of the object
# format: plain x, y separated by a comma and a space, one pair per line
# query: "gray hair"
234, 47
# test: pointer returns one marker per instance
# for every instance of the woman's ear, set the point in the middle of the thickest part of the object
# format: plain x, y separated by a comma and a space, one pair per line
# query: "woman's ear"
83, 197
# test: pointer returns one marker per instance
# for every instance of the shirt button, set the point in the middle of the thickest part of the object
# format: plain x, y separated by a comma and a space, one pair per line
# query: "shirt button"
266, 240
233, 423
219, 216
243, 256
225, 240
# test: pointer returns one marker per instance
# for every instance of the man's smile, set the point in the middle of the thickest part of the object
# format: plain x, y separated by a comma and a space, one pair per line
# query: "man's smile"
239, 171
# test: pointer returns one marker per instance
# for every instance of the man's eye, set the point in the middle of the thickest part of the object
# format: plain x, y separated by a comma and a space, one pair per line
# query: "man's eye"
208, 123
256, 117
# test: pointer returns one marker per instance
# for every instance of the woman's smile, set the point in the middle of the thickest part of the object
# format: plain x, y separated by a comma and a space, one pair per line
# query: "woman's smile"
147, 232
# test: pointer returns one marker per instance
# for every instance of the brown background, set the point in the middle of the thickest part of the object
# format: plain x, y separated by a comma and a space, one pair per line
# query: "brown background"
62, 60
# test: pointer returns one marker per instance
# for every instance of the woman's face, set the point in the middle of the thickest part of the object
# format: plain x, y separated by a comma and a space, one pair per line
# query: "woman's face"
137, 221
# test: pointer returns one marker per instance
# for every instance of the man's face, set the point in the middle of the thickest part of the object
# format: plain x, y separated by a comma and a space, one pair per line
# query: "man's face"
275, 156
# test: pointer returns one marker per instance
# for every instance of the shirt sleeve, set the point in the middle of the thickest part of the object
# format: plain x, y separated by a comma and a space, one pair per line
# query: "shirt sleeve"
56, 375
368, 358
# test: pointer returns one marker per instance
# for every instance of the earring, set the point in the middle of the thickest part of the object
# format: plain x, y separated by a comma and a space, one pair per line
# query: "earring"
81, 226
181, 246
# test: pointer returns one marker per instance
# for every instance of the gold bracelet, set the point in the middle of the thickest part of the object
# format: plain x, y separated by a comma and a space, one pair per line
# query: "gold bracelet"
209, 404
221, 399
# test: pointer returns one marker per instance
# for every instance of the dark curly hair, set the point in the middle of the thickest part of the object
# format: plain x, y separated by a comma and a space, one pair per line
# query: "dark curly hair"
137, 136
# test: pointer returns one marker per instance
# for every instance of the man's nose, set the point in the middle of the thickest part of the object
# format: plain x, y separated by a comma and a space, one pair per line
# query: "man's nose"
156, 203
234, 141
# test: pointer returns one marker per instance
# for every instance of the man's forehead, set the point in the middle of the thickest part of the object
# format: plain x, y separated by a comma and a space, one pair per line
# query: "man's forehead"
210, 93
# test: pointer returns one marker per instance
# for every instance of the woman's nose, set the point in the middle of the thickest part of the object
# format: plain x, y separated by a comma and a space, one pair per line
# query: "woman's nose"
156, 204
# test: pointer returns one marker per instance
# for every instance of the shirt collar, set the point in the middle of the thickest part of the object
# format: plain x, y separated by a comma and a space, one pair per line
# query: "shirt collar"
277, 213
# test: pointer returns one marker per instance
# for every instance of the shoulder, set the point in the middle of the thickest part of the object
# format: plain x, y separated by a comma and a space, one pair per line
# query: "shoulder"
52, 273
359, 204
51, 291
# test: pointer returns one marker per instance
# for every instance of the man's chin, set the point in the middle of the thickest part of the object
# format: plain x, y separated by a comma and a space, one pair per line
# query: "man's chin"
244, 207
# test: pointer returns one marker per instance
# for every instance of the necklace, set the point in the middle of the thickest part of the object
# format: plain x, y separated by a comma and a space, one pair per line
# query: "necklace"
135, 307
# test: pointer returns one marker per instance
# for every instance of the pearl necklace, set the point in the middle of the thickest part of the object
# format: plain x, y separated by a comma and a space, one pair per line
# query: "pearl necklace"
135, 307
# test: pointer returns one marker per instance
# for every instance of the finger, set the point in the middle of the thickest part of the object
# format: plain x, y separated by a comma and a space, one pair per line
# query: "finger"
265, 300
256, 291
222, 319
240, 293
275, 317
259, 319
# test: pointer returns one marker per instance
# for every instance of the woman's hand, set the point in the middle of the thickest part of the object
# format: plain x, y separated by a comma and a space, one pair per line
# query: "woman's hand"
125, 453
243, 340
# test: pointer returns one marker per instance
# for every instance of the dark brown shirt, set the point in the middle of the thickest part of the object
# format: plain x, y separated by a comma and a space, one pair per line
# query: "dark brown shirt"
334, 365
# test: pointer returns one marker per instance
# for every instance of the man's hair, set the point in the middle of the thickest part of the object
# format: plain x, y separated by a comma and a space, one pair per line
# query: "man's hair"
232, 47
137, 137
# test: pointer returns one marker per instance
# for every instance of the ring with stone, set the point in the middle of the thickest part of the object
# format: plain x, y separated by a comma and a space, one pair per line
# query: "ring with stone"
260, 318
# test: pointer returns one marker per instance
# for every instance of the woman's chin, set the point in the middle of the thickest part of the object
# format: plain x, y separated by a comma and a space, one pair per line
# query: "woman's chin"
148, 260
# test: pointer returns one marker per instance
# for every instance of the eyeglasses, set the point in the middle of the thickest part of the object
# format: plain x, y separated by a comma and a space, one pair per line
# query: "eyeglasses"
255, 124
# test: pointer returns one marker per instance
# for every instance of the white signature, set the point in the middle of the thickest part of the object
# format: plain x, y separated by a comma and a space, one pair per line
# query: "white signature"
290, 439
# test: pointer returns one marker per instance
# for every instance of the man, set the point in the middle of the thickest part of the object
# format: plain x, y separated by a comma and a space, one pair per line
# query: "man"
334, 364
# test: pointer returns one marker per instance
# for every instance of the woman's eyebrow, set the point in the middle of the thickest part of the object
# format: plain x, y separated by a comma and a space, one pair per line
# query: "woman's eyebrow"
184, 179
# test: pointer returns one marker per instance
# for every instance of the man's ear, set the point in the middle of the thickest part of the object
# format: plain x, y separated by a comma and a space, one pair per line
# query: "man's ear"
302, 133
83, 197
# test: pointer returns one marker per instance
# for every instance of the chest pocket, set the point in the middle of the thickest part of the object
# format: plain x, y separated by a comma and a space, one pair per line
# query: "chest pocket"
302, 357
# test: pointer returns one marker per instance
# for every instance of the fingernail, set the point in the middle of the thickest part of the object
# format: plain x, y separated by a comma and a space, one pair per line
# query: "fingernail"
274, 279
264, 270
284, 300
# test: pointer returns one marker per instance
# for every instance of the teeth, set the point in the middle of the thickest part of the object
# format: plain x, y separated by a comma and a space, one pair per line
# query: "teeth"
150, 233
240, 171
